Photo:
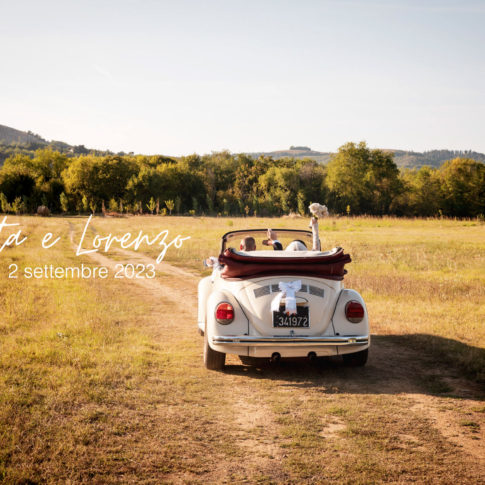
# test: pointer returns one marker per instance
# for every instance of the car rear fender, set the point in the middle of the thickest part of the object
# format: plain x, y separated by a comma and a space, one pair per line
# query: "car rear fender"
240, 324
340, 323
204, 289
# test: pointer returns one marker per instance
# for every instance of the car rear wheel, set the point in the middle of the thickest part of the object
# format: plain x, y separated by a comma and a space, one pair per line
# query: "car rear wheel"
213, 360
357, 359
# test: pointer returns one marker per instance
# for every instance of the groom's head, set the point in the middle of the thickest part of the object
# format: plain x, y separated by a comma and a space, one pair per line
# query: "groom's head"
248, 244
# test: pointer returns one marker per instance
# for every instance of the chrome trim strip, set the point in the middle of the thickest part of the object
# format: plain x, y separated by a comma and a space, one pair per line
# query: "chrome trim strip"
284, 340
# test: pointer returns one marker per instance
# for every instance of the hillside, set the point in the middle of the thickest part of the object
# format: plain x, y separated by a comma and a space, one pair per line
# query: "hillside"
404, 159
14, 141
296, 152
11, 136
434, 158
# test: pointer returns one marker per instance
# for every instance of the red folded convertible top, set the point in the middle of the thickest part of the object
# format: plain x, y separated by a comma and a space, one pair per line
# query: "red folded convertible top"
328, 266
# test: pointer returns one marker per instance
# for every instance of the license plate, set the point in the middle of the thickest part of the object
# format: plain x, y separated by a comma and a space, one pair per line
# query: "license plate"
300, 320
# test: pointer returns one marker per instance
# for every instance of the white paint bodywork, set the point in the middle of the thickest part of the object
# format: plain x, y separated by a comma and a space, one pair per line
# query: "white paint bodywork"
254, 319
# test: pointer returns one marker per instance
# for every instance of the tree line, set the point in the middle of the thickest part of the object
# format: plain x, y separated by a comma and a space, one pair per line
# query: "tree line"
357, 180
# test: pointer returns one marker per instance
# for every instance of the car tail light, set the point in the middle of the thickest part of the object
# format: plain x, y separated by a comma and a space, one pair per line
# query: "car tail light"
354, 311
224, 313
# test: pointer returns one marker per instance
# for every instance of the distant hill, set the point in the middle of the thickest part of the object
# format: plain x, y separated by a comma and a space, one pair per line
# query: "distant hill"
434, 158
296, 152
10, 136
14, 141
405, 159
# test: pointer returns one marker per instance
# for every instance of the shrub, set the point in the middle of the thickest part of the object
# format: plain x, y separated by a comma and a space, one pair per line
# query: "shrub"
43, 211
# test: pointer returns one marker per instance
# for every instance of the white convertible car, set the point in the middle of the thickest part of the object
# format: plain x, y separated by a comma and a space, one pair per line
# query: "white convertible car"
278, 304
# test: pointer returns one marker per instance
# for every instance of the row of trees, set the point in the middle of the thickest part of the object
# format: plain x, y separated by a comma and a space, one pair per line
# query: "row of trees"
357, 180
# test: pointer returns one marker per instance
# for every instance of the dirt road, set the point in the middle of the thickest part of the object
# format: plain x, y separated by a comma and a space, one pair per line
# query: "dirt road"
403, 418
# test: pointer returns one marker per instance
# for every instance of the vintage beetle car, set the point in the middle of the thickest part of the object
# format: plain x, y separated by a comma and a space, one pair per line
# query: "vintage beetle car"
242, 306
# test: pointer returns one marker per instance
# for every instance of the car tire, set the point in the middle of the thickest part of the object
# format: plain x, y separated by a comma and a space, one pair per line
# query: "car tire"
357, 359
213, 360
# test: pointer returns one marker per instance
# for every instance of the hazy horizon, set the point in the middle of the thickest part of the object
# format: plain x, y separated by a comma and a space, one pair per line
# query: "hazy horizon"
183, 77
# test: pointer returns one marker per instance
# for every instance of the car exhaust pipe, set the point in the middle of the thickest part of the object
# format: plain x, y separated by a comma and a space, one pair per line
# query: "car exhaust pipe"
312, 356
276, 357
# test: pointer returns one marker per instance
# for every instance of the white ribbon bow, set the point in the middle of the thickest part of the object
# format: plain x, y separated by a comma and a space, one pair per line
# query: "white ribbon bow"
288, 291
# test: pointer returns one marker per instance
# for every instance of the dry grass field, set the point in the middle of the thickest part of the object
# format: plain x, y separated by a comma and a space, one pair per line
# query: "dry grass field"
101, 380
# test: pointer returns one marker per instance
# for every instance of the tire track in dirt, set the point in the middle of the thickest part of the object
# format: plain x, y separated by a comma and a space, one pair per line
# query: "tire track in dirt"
409, 370
153, 285
163, 266
250, 412
442, 414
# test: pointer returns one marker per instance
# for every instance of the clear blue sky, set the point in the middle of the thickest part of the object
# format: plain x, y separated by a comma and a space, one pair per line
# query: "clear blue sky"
178, 77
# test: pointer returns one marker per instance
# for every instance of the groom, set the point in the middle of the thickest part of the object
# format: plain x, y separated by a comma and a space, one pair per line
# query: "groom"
273, 241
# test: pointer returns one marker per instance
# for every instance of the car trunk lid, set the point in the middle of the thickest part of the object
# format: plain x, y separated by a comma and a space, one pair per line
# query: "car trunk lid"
316, 294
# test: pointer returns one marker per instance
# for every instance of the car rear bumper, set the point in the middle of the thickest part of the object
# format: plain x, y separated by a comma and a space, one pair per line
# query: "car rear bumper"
292, 341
